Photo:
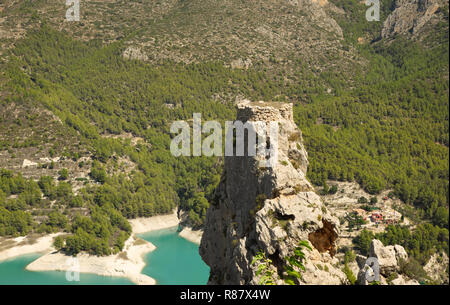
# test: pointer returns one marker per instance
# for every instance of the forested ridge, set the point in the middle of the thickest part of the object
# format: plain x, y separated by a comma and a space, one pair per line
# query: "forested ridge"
387, 128
391, 132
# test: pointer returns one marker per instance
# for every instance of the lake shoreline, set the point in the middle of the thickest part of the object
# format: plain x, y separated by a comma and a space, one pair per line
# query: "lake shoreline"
176, 260
193, 236
24, 245
128, 263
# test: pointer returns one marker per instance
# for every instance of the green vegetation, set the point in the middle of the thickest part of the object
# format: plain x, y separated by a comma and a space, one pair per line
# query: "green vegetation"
55, 222
393, 128
263, 263
369, 208
413, 269
63, 174
103, 233
362, 200
349, 257
386, 127
326, 190
293, 266
420, 244
13, 219
58, 242
349, 274
160, 181
354, 220
14, 222
363, 241
296, 261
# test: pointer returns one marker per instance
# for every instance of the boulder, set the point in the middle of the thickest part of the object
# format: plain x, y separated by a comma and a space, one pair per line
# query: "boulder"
388, 256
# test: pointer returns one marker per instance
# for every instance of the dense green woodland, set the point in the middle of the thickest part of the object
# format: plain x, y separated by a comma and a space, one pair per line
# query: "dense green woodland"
420, 244
392, 131
387, 129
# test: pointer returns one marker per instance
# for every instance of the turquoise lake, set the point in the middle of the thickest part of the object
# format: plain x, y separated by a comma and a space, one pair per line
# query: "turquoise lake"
12, 272
175, 261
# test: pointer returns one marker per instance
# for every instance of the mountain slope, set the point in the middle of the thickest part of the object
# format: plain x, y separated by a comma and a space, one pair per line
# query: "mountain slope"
372, 110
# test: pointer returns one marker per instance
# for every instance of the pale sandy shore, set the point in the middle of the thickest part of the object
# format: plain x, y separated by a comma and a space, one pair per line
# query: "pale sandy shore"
13, 247
142, 225
191, 235
129, 263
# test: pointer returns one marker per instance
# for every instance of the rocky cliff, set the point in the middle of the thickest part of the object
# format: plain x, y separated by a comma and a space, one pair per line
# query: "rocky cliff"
269, 209
410, 16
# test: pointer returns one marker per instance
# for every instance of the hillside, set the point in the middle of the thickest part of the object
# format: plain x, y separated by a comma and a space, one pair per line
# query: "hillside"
96, 98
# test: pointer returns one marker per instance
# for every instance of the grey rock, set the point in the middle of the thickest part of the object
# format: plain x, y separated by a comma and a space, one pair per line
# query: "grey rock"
437, 268
388, 256
361, 260
409, 16
403, 280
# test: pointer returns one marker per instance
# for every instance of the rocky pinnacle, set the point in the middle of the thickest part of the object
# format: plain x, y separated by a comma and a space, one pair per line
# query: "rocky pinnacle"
269, 209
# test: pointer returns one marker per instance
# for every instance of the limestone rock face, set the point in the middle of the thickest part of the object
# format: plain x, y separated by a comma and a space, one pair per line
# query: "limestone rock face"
403, 280
409, 16
388, 257
317, 11
389, 262
27, 163
268, 209
134, 53
437, 268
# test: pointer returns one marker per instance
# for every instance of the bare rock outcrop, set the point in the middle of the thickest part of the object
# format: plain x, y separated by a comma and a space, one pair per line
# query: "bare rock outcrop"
437, 268
269, 209
317, 11
403, 280
388, 258
134, 53
409, 16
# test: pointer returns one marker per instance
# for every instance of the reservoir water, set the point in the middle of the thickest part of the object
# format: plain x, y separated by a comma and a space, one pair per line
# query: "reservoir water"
175, 261
12, 272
